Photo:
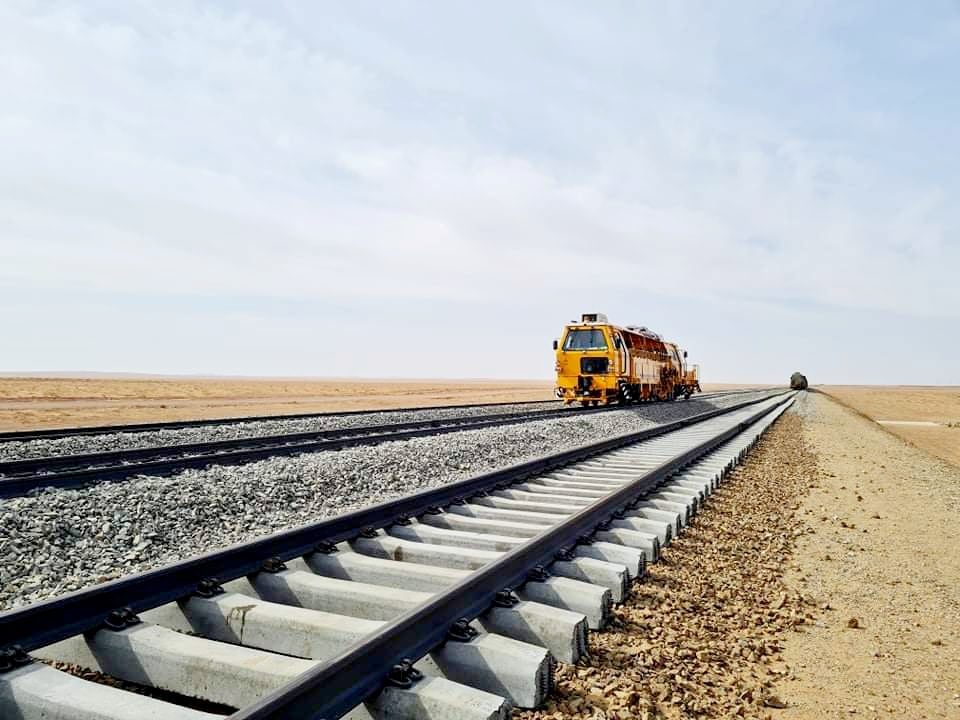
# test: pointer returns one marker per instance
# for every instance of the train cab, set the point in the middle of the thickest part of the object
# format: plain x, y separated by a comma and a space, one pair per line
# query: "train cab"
587, 361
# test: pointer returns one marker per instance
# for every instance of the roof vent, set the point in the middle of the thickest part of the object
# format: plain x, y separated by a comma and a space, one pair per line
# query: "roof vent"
593, 318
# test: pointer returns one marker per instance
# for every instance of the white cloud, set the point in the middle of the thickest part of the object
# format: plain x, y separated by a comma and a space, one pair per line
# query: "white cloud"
488, 155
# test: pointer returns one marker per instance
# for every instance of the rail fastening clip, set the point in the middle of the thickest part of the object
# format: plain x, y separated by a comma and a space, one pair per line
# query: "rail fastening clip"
120, 619
208, 587
13, 657
505, 598
461, 631
564, 553
538, 573
404, 674
273, 565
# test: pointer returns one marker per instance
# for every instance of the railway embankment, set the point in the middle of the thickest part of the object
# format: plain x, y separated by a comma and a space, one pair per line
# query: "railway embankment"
703, 635
819, 582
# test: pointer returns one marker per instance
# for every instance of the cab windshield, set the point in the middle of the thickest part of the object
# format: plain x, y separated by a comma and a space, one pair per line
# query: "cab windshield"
585, 340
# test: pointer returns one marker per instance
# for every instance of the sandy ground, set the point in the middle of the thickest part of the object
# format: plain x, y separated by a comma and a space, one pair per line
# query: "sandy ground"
832, 522
883, 550
940, 405
27, 403
63, 402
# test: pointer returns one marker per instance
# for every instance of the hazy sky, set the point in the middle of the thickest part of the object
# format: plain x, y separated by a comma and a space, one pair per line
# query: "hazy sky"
431, 189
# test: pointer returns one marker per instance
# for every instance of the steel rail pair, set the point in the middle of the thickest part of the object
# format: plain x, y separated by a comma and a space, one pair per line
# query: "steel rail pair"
352, 676
20, 477
55, 433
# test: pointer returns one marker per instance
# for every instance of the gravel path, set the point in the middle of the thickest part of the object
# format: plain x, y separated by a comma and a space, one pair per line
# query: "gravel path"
702, 636
881, 548
62, 540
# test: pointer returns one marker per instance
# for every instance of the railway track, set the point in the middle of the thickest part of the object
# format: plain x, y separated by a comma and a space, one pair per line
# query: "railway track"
20, 477
453, 602
53, 433
57, 433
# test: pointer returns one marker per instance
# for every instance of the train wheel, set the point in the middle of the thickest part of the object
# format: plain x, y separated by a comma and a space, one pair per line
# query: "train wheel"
584, 403
596, 402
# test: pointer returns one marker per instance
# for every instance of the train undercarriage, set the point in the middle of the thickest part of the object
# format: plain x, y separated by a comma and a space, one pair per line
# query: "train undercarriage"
588, 392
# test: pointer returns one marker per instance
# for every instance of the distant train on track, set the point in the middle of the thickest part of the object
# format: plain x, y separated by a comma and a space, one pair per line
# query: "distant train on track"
600, 363
798, 381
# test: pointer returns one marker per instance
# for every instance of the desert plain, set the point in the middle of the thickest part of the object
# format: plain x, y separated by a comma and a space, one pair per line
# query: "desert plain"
925, 416
49, 402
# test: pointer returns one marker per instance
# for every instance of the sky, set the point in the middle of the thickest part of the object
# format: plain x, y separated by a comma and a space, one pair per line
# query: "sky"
425, 189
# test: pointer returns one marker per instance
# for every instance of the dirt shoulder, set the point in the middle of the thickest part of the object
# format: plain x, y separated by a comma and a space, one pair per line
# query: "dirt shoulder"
927, 417
749, 613
882, 550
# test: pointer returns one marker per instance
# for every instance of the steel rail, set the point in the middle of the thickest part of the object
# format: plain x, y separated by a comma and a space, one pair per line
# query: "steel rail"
19, 477
53, 620
338, 685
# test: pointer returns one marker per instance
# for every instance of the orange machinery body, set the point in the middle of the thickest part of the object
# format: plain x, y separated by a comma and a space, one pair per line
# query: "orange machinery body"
601, 363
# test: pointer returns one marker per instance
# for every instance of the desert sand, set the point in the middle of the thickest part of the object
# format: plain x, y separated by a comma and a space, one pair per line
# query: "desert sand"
935, 410
27, 403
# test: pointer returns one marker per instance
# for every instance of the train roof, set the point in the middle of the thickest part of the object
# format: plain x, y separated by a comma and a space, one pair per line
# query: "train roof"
639, 330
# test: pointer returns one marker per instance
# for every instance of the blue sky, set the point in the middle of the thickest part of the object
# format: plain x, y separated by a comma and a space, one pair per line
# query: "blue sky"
421, 189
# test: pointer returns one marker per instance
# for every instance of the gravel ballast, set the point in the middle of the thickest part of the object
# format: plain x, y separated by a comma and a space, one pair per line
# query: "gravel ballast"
82, 444
62, 540
79, 444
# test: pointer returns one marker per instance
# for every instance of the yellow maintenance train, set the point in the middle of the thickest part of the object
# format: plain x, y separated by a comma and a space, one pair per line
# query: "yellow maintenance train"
601, 363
